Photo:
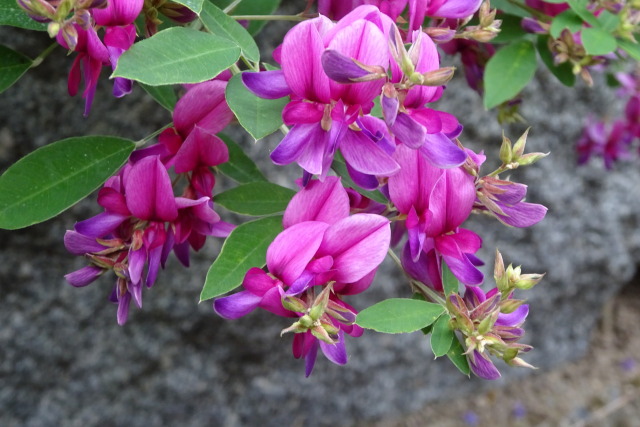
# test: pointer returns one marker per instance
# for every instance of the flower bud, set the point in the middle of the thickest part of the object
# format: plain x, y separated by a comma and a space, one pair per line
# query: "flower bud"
322, 334
487, 323
510, 305
506, 152
528, 281
294, 304
438, 77
53, 29
321, 302
518, 148
70, 35
440, 35
531, 158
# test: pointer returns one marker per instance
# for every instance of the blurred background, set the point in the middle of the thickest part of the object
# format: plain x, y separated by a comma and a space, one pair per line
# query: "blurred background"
65, 361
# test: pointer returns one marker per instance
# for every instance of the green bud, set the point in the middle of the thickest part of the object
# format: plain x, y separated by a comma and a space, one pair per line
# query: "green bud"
510, 305
487, 323
509, 354
321, 333
416, 78
294, 304
506, 152
528, 281
438, 77
306, 321
331, 330
499, 273
531, 158
53, 28
518, 148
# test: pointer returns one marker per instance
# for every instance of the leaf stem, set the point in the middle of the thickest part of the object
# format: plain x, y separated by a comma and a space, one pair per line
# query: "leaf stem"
231, 6
149, 137
271, 17
43, 55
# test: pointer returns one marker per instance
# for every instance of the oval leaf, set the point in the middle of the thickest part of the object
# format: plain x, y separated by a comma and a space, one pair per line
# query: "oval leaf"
260, 117
256, 198
449, 281
508, 72
457, 357
597, 41
11, 14
239, 167
399, 315
177, 55
220, 24
194, 5
441, 336
164, 95
57, 176
12, 66
633, 49
246, 247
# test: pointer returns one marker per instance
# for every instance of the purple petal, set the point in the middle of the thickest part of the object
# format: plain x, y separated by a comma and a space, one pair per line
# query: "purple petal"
441, 151
457, 261
79, 244
408, 131
84, 276
305, 143
137, 260
363, 180
482, 367
456, 9
365, 156
515, 318
341, 68
123, 308
267, 84
337, 353
310, 358
522, 214
149, 191
100, 225
236, 305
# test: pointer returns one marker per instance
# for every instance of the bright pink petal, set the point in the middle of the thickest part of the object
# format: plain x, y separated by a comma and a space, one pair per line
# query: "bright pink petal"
149, 192
203, 105
291, 251
319, 201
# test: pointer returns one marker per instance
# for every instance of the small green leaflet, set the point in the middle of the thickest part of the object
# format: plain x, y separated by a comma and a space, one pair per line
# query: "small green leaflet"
633, 49
457, 357
13, 15
12, 66
399, 315
597, 41
164, 95
508, 72
220, 24
194, 5
260, 117
239, 167
177, 55
256, 198
442, 336
55, 177
246, 247
449, 281
563, 71
567, 19
580, 8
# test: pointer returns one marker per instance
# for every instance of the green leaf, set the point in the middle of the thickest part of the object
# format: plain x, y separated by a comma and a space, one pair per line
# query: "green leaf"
580, 8
449, 281
195, 5
251, 7
246, 247
609, 21
563, 71
510, 29
256, 198
442, 336
13, 15
12, 66
509, 8
340, 168
597, 41
220, 24
457, 357
399, 315
177, 55
508, 72
633, 49
55, 177
260, 117
567, 19
164, 95
239, 167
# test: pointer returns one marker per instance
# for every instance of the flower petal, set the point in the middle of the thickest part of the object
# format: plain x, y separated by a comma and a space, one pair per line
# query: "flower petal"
267, 84
326, 201
236, 305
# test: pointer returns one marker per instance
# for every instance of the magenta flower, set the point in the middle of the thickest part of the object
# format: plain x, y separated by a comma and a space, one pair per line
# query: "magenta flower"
411, 122
324, 113
503, 199
436, 202
457, 9
611, 145
322, 254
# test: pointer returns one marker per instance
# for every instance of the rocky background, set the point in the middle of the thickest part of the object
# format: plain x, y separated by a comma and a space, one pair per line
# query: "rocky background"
65, 361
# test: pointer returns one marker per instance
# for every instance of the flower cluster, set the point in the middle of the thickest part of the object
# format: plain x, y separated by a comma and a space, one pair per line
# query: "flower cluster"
323, 254
142, 220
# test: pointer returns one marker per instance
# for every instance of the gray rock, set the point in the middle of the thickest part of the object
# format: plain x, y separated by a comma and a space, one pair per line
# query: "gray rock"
64, 360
